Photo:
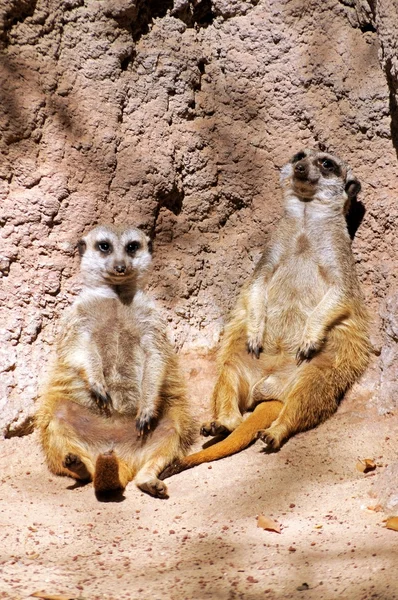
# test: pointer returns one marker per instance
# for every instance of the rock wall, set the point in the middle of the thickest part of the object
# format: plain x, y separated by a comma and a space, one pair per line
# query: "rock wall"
176, 116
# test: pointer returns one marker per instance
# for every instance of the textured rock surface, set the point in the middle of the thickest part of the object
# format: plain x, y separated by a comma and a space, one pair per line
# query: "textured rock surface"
176, 116
386, 490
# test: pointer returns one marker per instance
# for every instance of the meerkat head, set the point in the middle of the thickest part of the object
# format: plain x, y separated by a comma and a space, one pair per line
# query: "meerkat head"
312, 174
114, 256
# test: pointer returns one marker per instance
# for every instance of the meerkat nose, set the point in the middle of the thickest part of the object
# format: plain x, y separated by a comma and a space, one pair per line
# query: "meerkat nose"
119, 268
301, 170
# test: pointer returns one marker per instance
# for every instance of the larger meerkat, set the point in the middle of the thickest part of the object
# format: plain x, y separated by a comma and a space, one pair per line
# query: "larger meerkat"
298, 336
114, 407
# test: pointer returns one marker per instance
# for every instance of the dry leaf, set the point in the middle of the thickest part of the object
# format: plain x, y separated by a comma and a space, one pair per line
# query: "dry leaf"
375, 507
269, 524
392, 523
365, 465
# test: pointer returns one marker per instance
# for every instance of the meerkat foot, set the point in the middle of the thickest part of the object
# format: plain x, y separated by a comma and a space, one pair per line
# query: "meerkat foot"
225, 427
101, 397
214, 428
273, 436
154, 487
74, 464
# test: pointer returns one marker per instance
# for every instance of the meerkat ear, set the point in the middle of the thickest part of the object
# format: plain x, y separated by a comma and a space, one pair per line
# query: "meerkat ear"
81, 246
150, 246
352, 187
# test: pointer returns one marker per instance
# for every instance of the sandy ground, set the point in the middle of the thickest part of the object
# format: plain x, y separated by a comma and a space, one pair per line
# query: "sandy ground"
203, 542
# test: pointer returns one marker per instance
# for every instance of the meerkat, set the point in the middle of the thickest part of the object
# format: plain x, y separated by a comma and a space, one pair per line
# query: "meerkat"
114, 407
298, 336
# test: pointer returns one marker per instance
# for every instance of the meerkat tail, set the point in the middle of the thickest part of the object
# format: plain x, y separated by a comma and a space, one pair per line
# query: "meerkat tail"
262, 417
109, 474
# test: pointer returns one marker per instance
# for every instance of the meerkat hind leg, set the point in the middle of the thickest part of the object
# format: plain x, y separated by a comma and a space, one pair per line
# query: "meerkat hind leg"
311, 399
160, 451
74, 464
230, 387
65, 453
147, 479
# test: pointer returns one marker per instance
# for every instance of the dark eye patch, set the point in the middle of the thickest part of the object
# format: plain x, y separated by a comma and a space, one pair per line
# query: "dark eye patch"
298, 156
132, 247
330, 166
104, 247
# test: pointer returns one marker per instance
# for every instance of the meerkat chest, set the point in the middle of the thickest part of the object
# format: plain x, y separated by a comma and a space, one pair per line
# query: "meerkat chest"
118, 336
302, 276
115, 331
310, 253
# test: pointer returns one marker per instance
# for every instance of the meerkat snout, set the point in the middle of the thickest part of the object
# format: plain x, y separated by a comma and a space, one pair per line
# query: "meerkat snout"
300, 169
305, 171
120, 269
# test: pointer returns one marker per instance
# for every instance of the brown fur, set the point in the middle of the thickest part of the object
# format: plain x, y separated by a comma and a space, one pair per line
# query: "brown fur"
114, 407
299, 332
106, 476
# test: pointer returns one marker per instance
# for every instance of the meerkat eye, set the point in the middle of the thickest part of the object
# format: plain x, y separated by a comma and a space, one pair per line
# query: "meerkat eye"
132, 247
328, 164
298, 156
104, 247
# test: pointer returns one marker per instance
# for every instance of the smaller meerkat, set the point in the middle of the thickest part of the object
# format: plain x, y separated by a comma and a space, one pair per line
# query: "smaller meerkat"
114, 407
298, 336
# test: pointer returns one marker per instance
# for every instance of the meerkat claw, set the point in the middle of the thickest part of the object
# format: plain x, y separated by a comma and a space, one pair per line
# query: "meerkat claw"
306, 353
143, 425
102, 398
76, 466
268, 439
254, 349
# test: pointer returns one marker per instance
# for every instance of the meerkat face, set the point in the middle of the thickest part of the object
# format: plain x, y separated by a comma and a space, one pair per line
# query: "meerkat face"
113, 255
313, 174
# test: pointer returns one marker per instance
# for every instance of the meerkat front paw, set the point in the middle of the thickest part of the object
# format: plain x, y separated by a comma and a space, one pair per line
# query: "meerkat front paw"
101, 397
307, 349
144, 422
254, 345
